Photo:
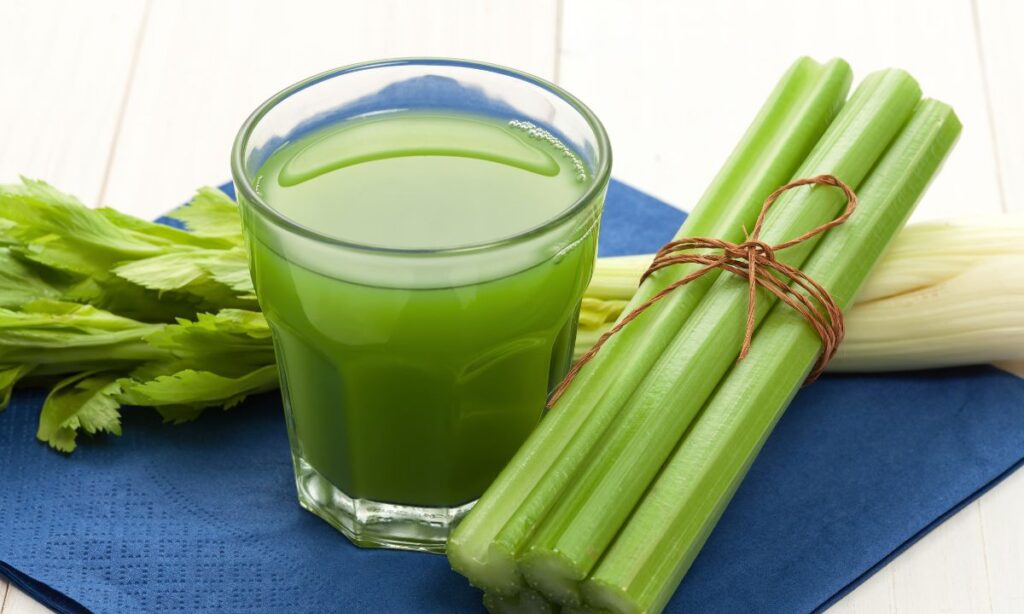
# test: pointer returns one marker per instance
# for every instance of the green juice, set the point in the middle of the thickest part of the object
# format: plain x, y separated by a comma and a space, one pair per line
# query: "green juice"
415, 385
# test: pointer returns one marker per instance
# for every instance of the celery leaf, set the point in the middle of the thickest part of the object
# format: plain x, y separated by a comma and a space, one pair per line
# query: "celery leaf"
197, 389
83, 402
211, 214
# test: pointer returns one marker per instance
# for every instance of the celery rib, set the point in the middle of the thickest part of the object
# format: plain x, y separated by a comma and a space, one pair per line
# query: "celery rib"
589, 512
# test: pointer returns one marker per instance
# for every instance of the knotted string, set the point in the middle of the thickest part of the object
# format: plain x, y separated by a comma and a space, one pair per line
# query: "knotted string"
754, 260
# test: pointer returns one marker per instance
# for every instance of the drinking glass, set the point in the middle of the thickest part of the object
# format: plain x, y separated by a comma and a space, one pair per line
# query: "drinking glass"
411, 376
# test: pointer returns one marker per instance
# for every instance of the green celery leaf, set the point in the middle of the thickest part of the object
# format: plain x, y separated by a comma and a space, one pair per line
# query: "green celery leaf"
220, 277
230, 343
83, 402
49, 332
132, 301
211, 214
20, 283
179, 414
165, 233
9, 376
197, 389
57, 228
231, 268
114, 258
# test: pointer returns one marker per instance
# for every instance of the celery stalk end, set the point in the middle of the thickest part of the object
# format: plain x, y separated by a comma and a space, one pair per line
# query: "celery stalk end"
551, 574
494, 572
603, 596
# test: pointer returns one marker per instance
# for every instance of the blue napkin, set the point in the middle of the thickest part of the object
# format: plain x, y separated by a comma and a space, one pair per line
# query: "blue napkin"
203, 518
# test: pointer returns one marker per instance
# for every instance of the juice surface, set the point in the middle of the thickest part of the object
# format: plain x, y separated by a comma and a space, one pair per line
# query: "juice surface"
419, 396
420, 181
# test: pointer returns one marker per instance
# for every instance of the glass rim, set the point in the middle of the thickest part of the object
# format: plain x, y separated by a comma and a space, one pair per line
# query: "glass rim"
245, 187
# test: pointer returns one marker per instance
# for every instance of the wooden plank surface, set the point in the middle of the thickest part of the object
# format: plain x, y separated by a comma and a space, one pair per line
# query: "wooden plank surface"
17, 602
677, 82
66, 68
999, 24
136, 104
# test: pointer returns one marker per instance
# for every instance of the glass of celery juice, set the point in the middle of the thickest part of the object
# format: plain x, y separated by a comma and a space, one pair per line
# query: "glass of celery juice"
420, 233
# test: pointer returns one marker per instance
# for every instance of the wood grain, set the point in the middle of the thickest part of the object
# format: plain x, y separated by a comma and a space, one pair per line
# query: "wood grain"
1001, 511
17, 602
677, 82
999, 25
65, 69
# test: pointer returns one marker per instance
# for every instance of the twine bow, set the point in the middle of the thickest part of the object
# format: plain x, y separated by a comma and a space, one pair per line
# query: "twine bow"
756, 261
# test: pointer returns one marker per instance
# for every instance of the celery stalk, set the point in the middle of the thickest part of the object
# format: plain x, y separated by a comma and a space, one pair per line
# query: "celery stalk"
640, 571
590, 511
788, 125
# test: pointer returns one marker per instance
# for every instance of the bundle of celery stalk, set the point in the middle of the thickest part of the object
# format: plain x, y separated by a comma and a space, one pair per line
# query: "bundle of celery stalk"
610, 499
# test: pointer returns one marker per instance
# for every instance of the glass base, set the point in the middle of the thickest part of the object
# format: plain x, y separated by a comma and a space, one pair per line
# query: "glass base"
372, 524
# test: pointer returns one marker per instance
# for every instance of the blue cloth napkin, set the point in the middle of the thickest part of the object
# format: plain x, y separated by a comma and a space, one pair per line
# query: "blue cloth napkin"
203, 518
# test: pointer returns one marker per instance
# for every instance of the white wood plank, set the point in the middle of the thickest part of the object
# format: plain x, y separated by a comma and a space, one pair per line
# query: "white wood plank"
1002, 50
945, 571
65, 67
205, 65
3, 595
875, 596
1001, 512
18, 602
677, 82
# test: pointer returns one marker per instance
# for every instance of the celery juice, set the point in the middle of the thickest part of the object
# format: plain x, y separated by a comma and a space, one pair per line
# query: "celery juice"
415, 387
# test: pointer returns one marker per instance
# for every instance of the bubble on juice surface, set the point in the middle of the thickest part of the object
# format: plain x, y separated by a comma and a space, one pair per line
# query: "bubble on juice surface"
535, 132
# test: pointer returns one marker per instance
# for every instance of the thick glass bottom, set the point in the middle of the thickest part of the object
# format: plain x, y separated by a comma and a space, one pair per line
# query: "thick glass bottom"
372, 524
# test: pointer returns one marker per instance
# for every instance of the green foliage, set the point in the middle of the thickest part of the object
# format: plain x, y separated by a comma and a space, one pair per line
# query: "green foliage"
111, 310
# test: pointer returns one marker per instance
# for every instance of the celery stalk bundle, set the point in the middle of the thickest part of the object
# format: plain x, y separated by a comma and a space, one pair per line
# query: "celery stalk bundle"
565, 547
485, 546
661, 539
584, 527
945, 293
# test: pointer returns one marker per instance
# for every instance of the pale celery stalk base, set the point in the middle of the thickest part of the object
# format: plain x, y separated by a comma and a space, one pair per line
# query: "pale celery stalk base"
922, 255
944, 294
975, 317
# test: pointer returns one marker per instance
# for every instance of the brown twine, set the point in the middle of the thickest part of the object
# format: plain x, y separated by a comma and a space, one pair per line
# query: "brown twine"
756, 261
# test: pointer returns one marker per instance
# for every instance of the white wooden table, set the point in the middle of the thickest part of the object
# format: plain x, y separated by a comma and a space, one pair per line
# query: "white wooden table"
135, 103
